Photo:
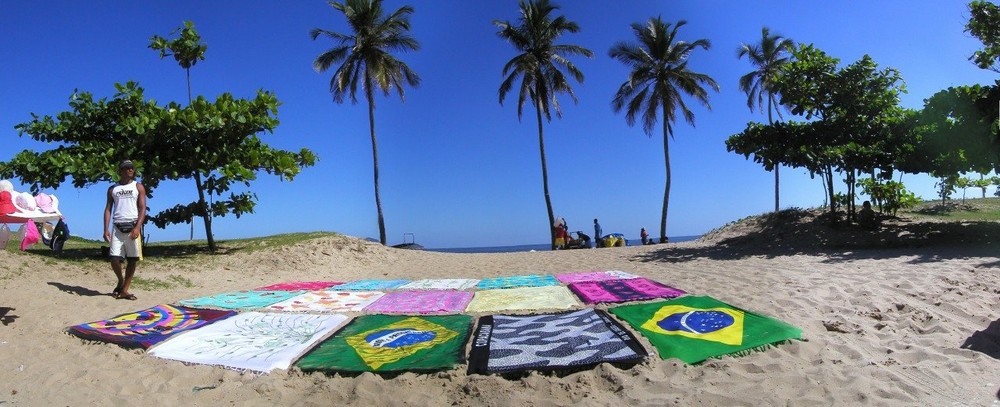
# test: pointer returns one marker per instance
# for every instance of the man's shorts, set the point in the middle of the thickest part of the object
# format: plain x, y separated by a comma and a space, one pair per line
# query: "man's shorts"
122, 246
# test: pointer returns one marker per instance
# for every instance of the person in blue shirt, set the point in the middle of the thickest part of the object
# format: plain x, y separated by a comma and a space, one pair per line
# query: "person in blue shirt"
597, 233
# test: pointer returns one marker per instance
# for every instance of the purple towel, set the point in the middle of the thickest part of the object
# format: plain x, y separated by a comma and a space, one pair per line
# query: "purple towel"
635, 289
421, 302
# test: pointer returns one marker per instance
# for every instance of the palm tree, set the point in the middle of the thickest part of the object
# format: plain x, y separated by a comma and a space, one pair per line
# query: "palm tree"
367, 62
767, 57
538, 67
659, 75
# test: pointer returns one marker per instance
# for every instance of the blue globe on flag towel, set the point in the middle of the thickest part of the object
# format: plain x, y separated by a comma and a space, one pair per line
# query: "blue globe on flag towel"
696, 322
397, 338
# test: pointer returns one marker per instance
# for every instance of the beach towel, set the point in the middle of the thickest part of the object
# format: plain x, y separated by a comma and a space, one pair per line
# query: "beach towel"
612, 291
567, 278
300, 286
327, 301
440, 284
522, 299
517, 281
693, 329
253, 341
145, 328
240, 300
371, 285
388, 343
575, 339
421, 302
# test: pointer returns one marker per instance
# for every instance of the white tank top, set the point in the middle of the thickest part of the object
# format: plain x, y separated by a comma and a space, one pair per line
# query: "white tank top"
126, 199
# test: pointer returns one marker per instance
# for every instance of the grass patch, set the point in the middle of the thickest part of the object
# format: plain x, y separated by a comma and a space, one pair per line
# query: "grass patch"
977, 209
86, 251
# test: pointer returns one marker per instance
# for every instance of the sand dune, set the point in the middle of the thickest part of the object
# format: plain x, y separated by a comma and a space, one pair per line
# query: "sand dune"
911, 325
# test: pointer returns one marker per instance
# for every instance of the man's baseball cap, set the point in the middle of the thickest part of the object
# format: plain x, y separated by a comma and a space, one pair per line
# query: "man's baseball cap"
125, 164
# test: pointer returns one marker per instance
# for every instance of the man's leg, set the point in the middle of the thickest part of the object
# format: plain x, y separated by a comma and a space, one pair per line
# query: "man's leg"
116, 266
129, 272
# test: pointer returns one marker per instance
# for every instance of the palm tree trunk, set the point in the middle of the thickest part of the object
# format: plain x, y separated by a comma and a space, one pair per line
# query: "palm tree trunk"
371, 126
666, 187
545, 177
770, 121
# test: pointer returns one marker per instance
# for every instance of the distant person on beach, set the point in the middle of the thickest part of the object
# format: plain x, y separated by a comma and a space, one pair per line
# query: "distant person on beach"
597, 233
125, 213
866, 217
644, 236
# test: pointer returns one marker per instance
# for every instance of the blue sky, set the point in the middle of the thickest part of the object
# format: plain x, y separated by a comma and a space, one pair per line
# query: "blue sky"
457, 168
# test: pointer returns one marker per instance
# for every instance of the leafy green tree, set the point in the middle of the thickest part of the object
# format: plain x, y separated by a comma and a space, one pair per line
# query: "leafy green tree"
857, 106
767, 57
539, 67
172, 142
658, 79
187, 49
984, 24
365, 61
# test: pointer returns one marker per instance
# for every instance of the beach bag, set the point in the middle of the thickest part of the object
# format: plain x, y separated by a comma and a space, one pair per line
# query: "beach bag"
59, 236
30, 235
4, 235
125, 227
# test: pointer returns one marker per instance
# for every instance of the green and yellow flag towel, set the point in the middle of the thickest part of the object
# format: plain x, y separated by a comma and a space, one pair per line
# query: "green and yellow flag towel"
693, 329
390, 343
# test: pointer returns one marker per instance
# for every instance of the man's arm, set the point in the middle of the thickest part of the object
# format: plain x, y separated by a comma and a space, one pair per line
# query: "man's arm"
141, 207
107, 215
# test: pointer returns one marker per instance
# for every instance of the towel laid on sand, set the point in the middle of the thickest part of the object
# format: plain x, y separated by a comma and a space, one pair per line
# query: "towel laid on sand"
328, 301
254, 341
517, 281
388, 343
611, 291
522, 299
575, 339
371, 285
567, 278
240, 300
693, 329
440, 284
421, 302
300, 286
145, 328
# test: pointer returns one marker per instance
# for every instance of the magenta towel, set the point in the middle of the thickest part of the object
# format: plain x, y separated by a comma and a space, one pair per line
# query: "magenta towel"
300, 286
421, 302
635, 289
567, 278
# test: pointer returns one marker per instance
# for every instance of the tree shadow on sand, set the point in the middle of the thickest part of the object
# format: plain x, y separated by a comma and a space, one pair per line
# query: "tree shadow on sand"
801, 232
6, 318
986, 341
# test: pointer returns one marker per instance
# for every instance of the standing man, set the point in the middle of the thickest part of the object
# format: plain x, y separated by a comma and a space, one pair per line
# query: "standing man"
125, 212
597, 233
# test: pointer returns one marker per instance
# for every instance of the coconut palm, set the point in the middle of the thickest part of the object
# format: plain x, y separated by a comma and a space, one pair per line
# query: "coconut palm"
366, 61
539, 66
767, 57
659, 77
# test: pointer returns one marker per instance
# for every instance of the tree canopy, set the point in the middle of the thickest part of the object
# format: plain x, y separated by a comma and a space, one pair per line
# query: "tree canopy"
215, 139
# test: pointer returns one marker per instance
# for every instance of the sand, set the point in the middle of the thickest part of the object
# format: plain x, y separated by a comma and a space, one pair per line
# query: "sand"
911, 325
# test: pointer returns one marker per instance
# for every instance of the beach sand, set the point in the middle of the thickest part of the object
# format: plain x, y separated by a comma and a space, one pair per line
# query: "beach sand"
917, 324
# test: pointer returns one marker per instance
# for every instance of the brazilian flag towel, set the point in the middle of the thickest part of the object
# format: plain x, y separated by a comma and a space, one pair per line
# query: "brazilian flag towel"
391, 343
693, 329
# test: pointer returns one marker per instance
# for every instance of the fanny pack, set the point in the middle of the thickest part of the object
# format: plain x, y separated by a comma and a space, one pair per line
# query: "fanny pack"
125, 227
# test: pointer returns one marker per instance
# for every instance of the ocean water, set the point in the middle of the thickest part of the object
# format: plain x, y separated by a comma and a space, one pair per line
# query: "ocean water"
536, 247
